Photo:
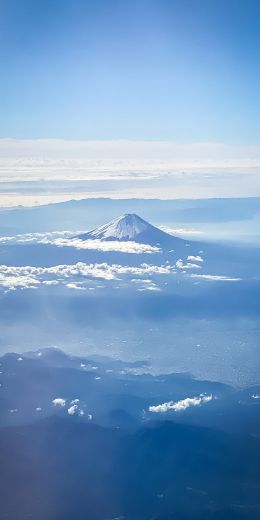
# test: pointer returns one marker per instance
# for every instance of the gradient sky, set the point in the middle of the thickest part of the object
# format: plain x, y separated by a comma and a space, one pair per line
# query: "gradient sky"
183, 70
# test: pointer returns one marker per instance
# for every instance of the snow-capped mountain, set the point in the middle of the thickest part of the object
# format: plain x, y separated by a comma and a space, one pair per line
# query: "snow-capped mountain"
130, 227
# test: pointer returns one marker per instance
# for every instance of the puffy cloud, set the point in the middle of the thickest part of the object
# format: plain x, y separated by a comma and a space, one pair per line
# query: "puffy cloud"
112, 245
72, 409
59, 401
215, 278
67, 239
35, 238
12, 277
181, 265
197, 258
16, 281
75, 286
181, 405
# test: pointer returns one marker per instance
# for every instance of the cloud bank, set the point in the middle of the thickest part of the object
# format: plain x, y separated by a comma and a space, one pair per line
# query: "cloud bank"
144, 169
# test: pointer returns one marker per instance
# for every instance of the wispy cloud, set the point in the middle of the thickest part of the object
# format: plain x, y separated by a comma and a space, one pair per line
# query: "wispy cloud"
215, 278
180, 231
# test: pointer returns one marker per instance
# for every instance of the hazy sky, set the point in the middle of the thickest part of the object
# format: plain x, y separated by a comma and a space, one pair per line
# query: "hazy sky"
138, 98
181, 70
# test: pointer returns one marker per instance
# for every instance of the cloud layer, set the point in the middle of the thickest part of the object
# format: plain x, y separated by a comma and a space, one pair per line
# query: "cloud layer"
144, 169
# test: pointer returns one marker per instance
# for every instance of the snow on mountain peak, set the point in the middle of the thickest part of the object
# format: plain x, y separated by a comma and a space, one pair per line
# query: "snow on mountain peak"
125, 227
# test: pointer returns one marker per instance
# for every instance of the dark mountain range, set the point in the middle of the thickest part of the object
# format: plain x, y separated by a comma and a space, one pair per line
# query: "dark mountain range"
59, 469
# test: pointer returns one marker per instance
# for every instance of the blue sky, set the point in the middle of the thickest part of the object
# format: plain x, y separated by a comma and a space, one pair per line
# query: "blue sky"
186, 70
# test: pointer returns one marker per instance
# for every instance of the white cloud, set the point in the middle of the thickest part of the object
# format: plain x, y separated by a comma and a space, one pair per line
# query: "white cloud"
181, 265
193, 170
181, 405
112, 245
41, 238
76, 276
22, 282
58, 156
75, 286
152, 287
197, 258
74, 401
12, 277
72, 409
50, 282
215, 278
59, 401
180, 231
67, 239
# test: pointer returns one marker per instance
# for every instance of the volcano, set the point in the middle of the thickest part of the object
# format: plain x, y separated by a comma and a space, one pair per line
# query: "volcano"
131, 227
